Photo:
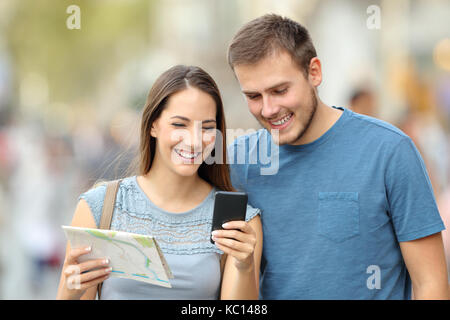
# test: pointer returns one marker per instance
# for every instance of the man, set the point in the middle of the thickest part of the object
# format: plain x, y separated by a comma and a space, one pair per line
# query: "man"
350, 213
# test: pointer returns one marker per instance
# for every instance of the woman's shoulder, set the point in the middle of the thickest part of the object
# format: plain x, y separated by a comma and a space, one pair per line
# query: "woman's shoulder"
95, 195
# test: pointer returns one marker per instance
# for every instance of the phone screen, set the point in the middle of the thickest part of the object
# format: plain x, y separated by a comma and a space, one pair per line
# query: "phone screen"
228, 206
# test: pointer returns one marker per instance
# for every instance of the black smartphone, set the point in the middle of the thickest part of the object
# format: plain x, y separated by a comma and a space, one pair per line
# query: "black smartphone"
228, 206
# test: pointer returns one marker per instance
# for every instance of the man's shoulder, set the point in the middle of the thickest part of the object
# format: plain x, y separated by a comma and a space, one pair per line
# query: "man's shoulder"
375, 128
251, 135
249, 140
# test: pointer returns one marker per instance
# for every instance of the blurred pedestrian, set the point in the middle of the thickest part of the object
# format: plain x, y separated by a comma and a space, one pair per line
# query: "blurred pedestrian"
363, 101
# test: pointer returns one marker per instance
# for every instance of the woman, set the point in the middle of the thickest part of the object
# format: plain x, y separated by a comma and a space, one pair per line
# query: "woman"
172, 199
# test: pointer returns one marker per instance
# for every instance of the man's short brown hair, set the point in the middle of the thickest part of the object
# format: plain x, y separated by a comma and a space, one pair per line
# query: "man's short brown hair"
270, 33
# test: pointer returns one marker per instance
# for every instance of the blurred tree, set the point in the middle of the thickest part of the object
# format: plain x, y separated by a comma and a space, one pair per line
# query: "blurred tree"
76, 62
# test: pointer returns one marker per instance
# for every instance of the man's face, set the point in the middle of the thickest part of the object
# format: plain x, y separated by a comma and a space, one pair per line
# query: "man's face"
278, 95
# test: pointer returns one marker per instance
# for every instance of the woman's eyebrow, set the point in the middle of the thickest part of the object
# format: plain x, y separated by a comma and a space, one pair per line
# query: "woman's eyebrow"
187, 119
180, 117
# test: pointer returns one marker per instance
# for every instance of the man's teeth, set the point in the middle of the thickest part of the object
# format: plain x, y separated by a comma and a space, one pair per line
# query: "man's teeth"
187, 155
277, 123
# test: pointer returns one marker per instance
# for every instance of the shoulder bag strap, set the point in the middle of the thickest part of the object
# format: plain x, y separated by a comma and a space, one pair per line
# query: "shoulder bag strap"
107, 212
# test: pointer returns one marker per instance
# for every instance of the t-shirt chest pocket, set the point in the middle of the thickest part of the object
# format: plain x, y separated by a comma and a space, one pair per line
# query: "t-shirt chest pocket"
338, 215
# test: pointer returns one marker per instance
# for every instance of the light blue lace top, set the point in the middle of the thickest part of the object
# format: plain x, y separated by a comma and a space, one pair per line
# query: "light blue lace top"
184, 238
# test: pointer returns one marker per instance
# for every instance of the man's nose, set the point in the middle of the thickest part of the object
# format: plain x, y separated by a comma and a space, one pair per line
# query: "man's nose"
269, 109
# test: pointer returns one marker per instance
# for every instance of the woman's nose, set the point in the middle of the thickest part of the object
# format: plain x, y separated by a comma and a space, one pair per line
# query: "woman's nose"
194, 138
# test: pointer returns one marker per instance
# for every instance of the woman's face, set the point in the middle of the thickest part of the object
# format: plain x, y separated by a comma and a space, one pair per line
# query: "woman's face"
185, 131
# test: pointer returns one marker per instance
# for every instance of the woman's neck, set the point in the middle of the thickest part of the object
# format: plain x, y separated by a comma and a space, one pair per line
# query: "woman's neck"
172, 191
172, 185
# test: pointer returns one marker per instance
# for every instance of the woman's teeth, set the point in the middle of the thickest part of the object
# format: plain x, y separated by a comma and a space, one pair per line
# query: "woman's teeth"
283, 120
187, 155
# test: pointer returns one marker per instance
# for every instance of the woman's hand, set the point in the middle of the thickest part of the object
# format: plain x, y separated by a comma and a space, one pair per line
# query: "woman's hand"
239, 243
80, 276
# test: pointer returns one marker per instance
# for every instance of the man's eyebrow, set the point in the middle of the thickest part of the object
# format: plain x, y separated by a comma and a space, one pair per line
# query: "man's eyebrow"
268, 89
187, 119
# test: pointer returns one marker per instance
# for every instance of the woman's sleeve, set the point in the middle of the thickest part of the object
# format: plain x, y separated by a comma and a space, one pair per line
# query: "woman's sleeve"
94, 198
251, 212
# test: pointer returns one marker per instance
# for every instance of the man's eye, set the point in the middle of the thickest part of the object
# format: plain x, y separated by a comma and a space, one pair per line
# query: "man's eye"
253, 97
280, 91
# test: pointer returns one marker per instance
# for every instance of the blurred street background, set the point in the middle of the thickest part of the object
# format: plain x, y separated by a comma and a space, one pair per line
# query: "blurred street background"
70, 95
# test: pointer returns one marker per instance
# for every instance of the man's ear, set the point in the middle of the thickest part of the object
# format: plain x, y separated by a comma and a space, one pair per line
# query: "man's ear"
315, 72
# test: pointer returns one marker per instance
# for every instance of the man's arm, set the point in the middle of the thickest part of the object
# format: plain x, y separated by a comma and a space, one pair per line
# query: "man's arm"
425, 260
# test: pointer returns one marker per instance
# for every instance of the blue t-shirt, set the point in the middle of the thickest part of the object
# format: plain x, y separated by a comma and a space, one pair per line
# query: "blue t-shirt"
334, 210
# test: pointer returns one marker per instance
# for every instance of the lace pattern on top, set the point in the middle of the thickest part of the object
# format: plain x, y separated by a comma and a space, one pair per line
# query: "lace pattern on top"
176, 233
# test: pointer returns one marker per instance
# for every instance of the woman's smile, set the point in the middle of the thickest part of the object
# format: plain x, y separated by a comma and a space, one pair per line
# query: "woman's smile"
187, 156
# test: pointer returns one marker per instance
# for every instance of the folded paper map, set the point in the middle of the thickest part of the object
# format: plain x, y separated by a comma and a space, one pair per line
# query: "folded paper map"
132, 256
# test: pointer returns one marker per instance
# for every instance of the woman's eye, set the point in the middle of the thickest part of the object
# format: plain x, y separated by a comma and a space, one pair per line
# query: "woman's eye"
178, 124
211, 128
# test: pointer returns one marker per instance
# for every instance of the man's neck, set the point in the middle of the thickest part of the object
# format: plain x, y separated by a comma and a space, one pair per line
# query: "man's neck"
324, 118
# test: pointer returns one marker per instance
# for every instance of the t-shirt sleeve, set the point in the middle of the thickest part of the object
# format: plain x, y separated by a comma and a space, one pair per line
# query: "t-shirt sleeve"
236, 153
251, 213
412, 204
94, 198
238, 169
